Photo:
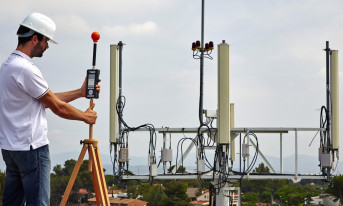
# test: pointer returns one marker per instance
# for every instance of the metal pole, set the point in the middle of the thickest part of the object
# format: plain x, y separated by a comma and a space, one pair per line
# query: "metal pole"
248, 157
328, 106
164, 140
120, 47
202, 64
240, 152
281, 158
296, 154
239, 196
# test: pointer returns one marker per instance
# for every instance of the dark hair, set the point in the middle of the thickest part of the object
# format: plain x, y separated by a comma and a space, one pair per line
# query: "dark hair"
23, 40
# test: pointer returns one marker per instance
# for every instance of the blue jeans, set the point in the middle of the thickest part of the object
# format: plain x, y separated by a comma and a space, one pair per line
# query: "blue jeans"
27, 177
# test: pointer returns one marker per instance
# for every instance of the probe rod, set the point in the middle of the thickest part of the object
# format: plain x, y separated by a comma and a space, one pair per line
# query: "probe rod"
94, 54
95, 36
91, 100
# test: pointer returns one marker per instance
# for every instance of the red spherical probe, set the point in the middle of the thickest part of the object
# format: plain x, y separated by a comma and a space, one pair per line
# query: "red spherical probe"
95, 36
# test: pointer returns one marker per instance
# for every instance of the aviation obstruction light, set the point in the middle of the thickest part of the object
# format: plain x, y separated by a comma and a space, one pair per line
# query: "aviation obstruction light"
196, 47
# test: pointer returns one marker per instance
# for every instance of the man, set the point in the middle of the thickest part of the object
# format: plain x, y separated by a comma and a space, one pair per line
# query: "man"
24, 95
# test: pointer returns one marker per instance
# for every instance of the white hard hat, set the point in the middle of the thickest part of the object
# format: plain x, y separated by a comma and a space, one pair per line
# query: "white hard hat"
41, 24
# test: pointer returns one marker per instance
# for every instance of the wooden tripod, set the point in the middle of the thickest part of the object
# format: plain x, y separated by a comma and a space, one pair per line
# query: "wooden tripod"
95, 166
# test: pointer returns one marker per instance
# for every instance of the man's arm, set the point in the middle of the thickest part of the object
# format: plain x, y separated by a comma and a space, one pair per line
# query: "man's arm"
70, 96
67, 111
75, 94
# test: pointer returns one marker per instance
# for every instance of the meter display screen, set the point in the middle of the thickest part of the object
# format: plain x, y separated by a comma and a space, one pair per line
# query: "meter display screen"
91, 80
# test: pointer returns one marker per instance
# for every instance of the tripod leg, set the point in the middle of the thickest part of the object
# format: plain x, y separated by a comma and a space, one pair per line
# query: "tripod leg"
90, 163
96, 189
73, 176
102, 176
97, 181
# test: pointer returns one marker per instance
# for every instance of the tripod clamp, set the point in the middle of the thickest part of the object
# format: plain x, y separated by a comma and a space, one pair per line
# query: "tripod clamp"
93, 142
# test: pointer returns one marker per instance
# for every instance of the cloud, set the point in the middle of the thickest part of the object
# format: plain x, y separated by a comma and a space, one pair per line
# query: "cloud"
71, 25
147, 28
11, 12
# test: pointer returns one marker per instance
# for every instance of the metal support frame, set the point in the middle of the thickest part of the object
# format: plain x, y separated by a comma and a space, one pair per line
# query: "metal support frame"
264, 159
183, 156
222, 197
209, 176
236, 131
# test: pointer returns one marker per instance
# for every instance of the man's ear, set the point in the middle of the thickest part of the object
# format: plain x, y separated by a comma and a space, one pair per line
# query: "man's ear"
34, 39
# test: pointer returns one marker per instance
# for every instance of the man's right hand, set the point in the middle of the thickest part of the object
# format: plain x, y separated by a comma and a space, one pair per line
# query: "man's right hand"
91, 115
65, 110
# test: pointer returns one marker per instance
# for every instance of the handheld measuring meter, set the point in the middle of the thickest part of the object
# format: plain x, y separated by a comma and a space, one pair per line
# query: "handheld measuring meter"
92, 81
93, 74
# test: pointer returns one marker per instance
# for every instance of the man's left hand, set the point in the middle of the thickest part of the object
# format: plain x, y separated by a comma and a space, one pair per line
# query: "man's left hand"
84, 87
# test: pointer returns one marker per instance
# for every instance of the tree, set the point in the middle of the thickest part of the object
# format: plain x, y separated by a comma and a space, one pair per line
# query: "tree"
58, 170
199, 192
259, 186
60, 178
261, 169
336, 188
58, 186
250, 197
69, 167
249, 204
295, 199
132, 192
110, 182
266, 197
151, 193
295, 194
181, 169
175, 195
2, 184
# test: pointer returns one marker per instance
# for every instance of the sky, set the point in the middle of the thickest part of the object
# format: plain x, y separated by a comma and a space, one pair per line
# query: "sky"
277, 63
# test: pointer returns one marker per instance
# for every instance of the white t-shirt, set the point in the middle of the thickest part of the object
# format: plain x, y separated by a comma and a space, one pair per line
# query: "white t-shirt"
22, 116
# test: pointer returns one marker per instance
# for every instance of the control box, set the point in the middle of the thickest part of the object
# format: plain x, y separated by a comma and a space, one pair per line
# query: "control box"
167, 155
325, 159
245, 150
201, 165
124, 155
153, 170
92, 81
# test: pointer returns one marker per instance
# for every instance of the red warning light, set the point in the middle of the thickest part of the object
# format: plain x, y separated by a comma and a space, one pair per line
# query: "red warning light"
211, 47
197, 44
194, 47
207, 47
